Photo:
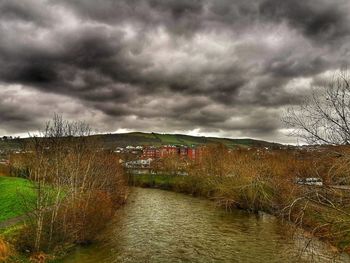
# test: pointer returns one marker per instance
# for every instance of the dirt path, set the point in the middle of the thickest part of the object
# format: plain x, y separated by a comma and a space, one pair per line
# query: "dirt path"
11, 222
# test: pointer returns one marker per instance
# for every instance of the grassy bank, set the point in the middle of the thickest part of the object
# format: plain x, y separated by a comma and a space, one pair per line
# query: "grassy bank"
77, 189
12, 193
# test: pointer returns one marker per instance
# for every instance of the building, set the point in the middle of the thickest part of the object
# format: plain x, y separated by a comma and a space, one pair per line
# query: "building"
153, 152
150, 152
168, 150
191, 153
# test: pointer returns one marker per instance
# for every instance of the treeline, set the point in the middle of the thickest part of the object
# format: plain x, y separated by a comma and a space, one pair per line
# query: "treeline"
78, 187
267, 181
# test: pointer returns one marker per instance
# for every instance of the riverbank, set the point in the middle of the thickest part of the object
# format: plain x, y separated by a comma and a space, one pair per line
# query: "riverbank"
12, 250
286, 201
165, 226
18, 198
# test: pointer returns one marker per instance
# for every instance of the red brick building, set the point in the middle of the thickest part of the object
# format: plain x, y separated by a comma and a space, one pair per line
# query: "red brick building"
191, 153
150, 152
167, 150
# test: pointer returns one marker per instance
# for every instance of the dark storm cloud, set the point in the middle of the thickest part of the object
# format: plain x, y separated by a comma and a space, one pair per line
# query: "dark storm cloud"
25, 11
223, 67
322, 20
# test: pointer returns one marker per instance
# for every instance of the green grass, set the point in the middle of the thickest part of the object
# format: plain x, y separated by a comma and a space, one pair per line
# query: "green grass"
180, 139
142, 134
168, 139
12, 193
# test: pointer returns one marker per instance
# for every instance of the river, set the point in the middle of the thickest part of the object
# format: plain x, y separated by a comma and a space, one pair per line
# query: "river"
162, 226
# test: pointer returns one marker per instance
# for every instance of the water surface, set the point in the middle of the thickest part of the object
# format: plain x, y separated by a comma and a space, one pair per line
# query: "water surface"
162, 226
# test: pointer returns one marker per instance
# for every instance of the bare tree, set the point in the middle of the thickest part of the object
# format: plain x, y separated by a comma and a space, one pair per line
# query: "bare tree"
75, 181
323, 118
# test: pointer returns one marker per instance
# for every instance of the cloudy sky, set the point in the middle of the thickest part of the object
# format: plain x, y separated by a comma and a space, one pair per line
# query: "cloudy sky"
209, 67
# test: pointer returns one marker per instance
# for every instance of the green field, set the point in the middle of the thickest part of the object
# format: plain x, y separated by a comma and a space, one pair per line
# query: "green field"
12, 193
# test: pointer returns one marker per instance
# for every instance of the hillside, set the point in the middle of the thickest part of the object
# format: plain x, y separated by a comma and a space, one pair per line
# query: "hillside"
110, 141
140, 138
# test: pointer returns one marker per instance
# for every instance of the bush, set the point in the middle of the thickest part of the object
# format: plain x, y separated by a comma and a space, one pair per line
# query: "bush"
86, 217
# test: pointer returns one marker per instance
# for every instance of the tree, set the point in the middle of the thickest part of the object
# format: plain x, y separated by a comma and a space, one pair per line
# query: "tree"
77, 185
215, 161
324, 117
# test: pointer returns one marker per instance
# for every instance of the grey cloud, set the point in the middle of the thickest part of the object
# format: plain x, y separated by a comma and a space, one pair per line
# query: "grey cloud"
26, 11
222, 66
322, 20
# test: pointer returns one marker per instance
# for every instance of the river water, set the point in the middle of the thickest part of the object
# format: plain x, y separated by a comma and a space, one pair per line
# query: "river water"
162, 226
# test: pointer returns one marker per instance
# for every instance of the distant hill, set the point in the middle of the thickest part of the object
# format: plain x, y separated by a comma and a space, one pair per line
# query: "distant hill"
157, 139
11, 144
110, 141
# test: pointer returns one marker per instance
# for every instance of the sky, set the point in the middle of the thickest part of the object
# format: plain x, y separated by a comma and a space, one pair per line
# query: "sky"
226, 68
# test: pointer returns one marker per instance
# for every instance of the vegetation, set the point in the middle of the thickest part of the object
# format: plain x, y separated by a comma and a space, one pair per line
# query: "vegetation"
4, 170
12, 193
11, 144
163, 181
266, 181
76, 185
4, 250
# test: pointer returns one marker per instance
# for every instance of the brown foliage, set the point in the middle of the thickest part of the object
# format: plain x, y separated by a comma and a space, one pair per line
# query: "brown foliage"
38, 258
84, 218
77, 186
4, 251
4, 170
266, 180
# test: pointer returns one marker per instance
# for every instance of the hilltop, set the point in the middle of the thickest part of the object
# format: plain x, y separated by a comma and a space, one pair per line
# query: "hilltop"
157, 139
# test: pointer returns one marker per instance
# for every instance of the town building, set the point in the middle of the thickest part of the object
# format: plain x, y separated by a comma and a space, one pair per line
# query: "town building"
153, 152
